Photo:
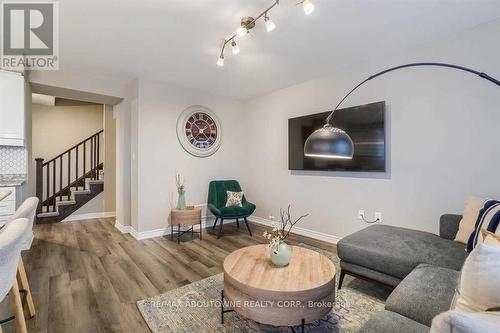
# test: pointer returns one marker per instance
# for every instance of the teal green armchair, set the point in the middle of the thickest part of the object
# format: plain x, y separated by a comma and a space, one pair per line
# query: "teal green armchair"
216, 203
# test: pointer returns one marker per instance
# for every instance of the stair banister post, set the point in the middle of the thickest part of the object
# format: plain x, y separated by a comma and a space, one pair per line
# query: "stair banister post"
39, 183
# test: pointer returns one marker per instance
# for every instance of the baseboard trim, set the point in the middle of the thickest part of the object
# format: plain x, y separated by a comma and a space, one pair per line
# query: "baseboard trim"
300, 231
89, 216
124, 229
142, 235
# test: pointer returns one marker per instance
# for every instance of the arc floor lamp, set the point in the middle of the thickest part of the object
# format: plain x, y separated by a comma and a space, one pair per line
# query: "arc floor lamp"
334, 143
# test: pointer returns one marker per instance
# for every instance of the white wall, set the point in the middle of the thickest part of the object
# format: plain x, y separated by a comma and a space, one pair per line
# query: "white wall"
443, 140
159, 154
123, 159
103, 85
109, 159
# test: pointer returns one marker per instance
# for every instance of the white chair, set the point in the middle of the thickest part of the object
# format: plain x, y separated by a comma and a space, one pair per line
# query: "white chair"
27, 210
11, 243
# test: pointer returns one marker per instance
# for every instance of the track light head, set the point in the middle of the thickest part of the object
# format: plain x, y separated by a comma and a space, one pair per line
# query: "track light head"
308, 7
235, 47
220, 61
270, 26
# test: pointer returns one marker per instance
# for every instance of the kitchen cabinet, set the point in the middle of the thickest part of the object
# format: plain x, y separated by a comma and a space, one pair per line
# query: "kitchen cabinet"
12, 109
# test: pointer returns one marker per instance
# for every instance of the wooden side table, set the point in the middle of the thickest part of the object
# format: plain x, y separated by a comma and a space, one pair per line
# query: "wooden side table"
184, 218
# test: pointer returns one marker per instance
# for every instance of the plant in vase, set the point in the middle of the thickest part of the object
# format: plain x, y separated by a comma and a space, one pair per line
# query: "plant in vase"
280, 252
181, 190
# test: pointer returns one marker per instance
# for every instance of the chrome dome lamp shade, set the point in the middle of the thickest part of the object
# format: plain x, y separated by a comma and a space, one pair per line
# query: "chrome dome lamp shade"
329, 142
334, 143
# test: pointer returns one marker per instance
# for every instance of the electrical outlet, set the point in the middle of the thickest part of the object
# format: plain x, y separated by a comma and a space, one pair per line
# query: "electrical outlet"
361, 214
378, 215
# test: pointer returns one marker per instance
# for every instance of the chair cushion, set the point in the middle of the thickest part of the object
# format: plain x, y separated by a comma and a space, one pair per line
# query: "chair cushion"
397, 251
235, 211
390, 322
426, 292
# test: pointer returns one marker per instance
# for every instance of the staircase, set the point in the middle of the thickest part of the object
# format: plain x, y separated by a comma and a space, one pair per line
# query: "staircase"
69, 180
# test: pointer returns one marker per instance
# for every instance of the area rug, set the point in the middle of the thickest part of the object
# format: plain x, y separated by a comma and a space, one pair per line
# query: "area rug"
196, 308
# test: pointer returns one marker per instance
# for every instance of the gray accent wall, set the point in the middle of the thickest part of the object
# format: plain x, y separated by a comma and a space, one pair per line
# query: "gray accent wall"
443, 135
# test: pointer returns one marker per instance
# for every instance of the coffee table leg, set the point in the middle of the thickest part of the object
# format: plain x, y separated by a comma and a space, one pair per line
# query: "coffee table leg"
201, 228
222, 306
302, 326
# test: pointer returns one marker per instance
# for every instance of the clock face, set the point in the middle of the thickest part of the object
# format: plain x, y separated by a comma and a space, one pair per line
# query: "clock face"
201, 130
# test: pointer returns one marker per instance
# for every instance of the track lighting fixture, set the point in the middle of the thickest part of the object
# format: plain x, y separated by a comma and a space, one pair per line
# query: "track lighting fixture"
220, 62
248, 23
270, 26
308, 7
235, 47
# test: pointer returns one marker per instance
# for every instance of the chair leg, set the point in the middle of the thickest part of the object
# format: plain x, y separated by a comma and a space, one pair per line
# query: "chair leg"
178, 234
17, 309
237, 223
220, 228
23, 282
341, 279
215, 223
248, 227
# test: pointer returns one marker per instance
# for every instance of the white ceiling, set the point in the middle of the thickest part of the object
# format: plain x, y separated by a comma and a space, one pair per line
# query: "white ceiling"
178, 41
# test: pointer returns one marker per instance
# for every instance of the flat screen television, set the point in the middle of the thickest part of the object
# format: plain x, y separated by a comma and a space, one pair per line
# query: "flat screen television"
365, 124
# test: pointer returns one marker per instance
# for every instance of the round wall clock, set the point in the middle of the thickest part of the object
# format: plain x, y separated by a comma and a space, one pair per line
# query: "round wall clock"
199, 131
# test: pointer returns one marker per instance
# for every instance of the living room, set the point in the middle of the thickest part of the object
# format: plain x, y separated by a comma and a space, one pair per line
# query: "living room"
219, 110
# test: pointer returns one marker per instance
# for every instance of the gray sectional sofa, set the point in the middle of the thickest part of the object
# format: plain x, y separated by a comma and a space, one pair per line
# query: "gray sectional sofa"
423, 268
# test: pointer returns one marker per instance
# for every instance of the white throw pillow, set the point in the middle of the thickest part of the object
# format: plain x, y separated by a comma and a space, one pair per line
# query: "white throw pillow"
460, 322
469, 218
478, 289
490, 238
234, 199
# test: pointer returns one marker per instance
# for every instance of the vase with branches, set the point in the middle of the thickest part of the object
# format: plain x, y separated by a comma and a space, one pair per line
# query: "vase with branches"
181, 190
280, 252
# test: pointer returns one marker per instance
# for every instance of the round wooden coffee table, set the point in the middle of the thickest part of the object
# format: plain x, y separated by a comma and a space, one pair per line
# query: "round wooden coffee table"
300, 293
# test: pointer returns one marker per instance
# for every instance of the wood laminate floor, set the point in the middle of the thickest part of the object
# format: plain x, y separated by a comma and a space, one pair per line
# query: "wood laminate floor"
86, 276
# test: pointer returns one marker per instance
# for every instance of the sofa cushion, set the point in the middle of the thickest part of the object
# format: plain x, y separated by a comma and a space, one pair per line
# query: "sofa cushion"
397, 251
370, 273
247, 209
426, 292
390, 322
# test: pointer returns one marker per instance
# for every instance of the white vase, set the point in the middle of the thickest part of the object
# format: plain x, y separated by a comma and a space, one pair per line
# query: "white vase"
281, 254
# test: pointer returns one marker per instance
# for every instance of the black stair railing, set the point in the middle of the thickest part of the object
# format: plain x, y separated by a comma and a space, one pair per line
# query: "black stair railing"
56, 177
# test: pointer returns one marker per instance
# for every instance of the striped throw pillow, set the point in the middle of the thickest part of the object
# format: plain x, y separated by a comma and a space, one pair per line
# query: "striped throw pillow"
489, 219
